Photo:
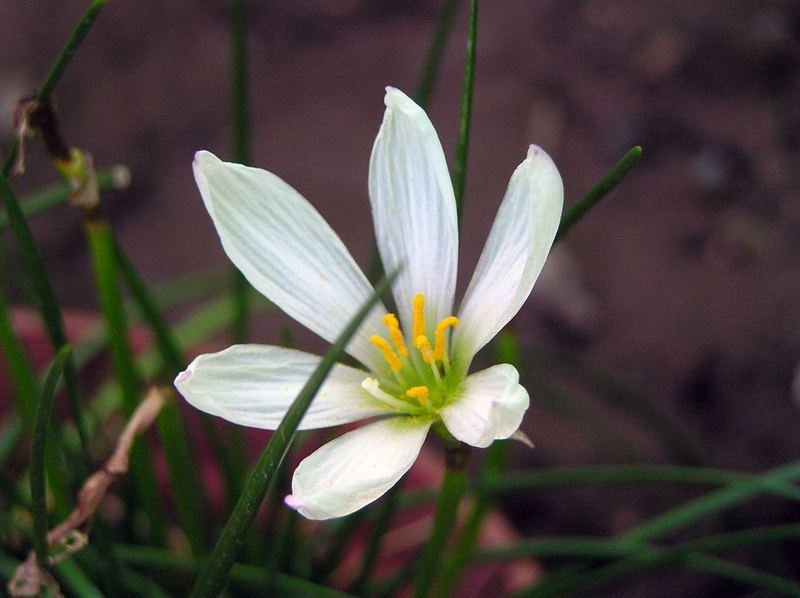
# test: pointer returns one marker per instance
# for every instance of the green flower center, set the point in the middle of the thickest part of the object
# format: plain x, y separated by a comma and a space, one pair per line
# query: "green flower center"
419, 381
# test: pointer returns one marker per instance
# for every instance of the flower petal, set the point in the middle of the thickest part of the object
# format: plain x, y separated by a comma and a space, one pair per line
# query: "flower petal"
514, 254
287, 251
357, 468
254, 385
414, 210
489, 406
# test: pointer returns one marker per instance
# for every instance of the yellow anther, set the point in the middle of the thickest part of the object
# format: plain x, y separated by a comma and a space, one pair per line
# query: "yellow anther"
424, 346
389, 355
390, 321
418, 392
419, 316
438, 353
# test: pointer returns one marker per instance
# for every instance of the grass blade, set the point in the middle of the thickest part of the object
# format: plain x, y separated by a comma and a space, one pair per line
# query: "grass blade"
47, 304
596, 193
464, 119
53, 77
214, 575
429, 75
38, 494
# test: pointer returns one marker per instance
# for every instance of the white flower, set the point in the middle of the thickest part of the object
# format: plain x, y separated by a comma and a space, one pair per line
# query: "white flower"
416, 365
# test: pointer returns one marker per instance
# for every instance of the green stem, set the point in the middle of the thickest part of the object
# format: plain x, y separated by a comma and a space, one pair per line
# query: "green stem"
38, 494
240, 114
464, 119
177, 445
64, 58
165, 339
453, 485
101, 247
429, 75
214, 574
596, 193
240, 117
458, 561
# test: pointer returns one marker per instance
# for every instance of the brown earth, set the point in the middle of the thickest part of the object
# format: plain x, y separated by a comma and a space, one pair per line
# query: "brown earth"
684, 284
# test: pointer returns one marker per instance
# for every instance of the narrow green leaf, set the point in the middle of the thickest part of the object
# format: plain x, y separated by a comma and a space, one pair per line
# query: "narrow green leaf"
257, 581
671, 520
101, 247
240, 83
639, 557
214, 575
48, 307
240, 118
465, 116
38, 494
744, 574
146, 302
429, 75
596, 193
712, 503
629, 474
53, 77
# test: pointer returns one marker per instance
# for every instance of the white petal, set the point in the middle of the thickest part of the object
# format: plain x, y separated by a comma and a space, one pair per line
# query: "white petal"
489, 406
287, 251
414, 209
254, 385
514, 254
357, 468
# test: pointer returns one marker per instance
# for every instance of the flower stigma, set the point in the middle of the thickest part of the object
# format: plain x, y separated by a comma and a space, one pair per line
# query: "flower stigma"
417, 382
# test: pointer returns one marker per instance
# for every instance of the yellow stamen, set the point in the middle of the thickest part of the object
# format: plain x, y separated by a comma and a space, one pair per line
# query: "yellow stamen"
419, 316
389, 355
390, 321
424, 346
418, 392
438, 353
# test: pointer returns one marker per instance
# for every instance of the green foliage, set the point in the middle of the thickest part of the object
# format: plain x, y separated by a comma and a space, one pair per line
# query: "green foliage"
203, 548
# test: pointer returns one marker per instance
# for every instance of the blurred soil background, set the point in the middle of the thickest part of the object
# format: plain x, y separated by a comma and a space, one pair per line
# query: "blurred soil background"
683, 285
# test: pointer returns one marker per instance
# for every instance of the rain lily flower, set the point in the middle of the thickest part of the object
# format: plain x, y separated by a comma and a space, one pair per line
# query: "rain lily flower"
416, 361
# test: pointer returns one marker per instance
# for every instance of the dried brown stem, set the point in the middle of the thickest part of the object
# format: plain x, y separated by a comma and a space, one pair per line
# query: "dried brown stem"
28, 579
